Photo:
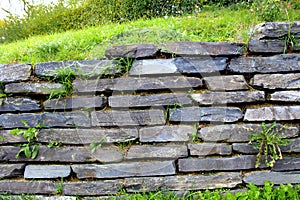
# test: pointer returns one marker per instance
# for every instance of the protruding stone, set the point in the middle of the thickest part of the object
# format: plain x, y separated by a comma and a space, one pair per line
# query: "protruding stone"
149, 100
286, 96
266, 46
209, 114
205, 149
33, 88
132, 169
19, 104
197, 49
128, 118
165, 133
28, 187
47, 171
157, 152
287, 164
14, 72
11, 170
183, 183
276, 81
226, 83
210, 98
259, 178
132, 51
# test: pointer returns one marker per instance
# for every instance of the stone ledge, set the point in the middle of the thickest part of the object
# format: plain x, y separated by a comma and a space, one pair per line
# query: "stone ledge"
10, 104
14, 73
226, 83
258, 178
47, 171
11, 170
33, 88
134, 51
205, 149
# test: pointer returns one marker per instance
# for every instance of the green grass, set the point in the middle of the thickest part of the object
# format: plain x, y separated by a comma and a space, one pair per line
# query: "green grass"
222, 24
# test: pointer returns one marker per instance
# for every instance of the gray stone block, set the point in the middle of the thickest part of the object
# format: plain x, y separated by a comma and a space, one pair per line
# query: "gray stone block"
33, 88
244, 148
8, 138
293, 147
157, 152
19, 104
28, 187
266, 46
165, 133
205, 149
132, 169
14, 120
287, 164
226, 83
276, 81
47, 171
209, 114
259, 178
11, 170
131, 51
14, 73
286, 96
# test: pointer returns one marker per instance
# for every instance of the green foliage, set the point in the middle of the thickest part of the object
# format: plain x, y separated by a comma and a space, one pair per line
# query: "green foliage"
95, 145
60, 187
267, 10
170, 109
195, 136
268, 142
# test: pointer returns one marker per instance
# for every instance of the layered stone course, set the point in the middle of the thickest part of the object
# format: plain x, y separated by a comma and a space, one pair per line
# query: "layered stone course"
179, 118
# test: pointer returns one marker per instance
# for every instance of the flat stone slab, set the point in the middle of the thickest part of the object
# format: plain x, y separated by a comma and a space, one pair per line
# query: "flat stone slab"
272, 64
276, 81
128, 118
274, 113
258, 178
131, 51
11, 170
287, 164
87, 136
32, 88
183, 183
210, 98
47, 171
14, 72
286, 96
226, 83
207, 114
132, 169
14, 120
217, 164
8, 138
165, 133
205, 149
66, 119
157, 152
293, 147
244, 148
19, 104
266, 46
198, 49
149, 100
76, 103
136, 84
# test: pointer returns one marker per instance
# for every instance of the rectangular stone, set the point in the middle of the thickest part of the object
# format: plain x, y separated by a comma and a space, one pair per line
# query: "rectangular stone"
128, 118
28, 187
11, 170
95, 102
14, 120
132, 169
205, 149
66, 119
266, 46
276, 81
293, 147
14, 73
259, 178
157, 152
210, 98
132, 51
274, 113
244, 148
207, 114
19, 104
149, 100
165, 133
47, 171
226, 83
33, 88
286, 96
8, 138
287, 164
217, 164
183, 183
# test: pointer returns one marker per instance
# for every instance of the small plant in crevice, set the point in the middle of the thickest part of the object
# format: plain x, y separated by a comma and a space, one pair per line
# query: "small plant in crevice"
95, 145
54, 143
194, 133
59, 189
125, 64
171, 109
268, 141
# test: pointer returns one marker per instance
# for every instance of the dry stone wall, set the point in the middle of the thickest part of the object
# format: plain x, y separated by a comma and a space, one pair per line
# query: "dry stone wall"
175, 117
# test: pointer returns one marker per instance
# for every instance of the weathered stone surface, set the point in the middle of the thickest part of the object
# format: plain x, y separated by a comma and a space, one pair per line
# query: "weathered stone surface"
149, 100
134, 84
266, 46
28, 187
165, 133
131, 169
210, 98
258, 178
277, 63
274, 113
149, 151
244, 148
216, 164
11, 170
75, 103
19, 104
287, 164
47, 171
14, 72
66, 119
196, 49
87, 136
286, 96
205, 149
40, 197
276, 81
226, 83
131, 51
62, 154
196, 182
8, 138
32, 88
128, 118
209, 114
14, 120
293, 147
239, 132
92, 188
270, 30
